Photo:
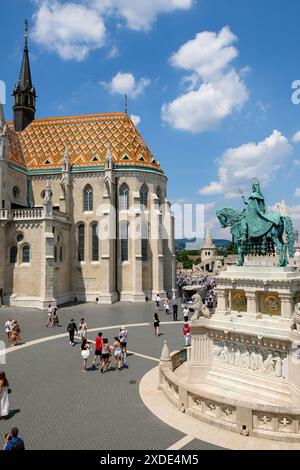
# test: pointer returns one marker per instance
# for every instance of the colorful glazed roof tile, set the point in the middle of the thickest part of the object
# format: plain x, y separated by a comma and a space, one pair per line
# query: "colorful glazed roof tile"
42, 144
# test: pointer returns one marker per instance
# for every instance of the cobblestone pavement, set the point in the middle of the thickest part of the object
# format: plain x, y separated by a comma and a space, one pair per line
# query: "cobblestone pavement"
58, 406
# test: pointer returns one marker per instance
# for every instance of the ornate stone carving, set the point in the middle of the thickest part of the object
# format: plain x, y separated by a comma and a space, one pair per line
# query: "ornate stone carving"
200, 309
295, 326
250, 358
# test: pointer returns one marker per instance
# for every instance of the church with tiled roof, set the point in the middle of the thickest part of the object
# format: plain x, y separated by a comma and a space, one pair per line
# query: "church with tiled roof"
84, 213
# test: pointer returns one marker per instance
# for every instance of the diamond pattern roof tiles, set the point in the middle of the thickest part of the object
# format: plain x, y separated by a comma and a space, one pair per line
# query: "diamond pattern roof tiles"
85, 137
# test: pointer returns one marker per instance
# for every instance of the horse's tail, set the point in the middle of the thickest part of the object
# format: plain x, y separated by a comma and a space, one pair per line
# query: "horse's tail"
290, 236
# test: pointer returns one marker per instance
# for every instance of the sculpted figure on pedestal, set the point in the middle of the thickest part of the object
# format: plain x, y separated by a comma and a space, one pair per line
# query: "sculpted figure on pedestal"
255, 230
295, 326
199, 308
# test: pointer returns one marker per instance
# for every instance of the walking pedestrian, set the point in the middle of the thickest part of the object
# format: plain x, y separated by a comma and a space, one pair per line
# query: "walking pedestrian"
8, 328
15, 334
117, 352
167, 307
85, 352
123, 336
98, 349
4, 401
71, 328
49, 315
82, 329
158, 300
13, 441
156, 324
105, 355
185, 314
55, 320
187, 334
175, 311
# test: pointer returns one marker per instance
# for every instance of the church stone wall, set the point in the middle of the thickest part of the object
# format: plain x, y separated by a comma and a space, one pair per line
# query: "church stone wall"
24, 279
15, 179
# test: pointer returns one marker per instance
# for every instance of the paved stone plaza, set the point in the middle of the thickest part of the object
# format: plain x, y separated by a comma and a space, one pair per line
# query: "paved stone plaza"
57, 406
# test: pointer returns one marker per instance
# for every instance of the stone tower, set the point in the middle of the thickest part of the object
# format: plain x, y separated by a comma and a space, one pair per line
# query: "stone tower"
24, 92
208, 249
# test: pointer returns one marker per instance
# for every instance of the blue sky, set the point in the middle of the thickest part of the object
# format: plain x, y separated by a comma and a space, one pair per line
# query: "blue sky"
210, 81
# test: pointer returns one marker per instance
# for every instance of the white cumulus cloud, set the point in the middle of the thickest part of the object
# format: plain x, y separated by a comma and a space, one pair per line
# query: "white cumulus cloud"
238, 166
203, 109
135, 119
140, 14
214, 89
297, 192
126, 84
72, 30
296, 138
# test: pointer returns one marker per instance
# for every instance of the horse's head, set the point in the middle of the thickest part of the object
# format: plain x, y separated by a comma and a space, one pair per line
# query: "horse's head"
227, 216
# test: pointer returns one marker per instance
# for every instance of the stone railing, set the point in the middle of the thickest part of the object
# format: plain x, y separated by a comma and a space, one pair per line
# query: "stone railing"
33, 213
5, 214
260, 420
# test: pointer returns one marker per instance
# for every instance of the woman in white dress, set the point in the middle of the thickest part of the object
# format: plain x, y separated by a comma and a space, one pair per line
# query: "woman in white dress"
82, 329
85, 352
4, 402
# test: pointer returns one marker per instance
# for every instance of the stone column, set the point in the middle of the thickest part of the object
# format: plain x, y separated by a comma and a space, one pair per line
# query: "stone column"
137, 281
165, 362
252, 304
47, 287
107, 230
157, 255
286, 305
201, 351
2, 257
223, 307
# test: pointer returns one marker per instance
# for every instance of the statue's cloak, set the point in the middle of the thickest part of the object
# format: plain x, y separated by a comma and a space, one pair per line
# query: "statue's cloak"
259, 221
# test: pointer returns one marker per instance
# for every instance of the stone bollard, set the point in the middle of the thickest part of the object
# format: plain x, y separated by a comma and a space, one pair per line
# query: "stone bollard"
165, 361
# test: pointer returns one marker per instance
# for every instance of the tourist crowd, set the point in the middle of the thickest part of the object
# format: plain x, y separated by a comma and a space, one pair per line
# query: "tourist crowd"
205, 282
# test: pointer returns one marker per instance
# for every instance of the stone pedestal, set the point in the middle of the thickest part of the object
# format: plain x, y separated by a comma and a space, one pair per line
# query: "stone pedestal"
243, 371
201, 351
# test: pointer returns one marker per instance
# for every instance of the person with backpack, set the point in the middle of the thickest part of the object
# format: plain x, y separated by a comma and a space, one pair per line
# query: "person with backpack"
13, 441
71, 328
55, 320
105, 355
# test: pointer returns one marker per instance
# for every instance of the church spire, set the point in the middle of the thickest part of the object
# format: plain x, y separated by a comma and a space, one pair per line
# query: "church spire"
24, 92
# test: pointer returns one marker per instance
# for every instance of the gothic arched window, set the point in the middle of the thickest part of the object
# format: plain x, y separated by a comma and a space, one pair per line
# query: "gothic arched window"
81, 229
124, 197
124, 240
144, 241
88, 198
95, 242
144, 197
26, 254
13, 254
159, 195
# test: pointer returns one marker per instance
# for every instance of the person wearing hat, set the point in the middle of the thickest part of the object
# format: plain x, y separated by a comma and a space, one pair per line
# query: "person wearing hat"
123, 337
